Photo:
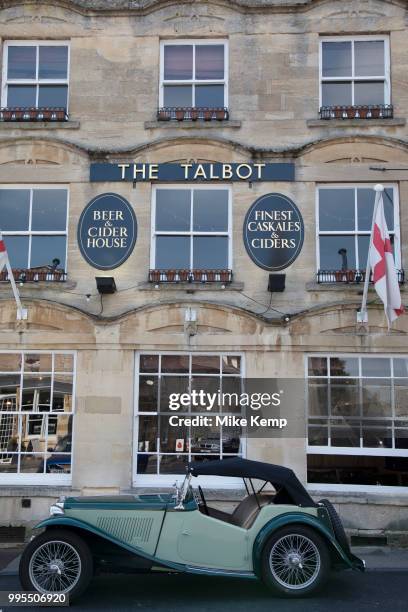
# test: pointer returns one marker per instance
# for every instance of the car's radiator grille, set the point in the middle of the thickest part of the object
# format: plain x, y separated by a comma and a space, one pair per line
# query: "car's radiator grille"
127, 529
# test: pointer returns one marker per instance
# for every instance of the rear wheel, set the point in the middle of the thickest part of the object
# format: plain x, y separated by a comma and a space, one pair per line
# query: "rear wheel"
295, 561
56, 561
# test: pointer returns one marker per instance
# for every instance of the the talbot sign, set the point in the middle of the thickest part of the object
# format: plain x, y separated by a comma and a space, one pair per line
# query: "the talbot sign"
107, 231
182, 172
273, 232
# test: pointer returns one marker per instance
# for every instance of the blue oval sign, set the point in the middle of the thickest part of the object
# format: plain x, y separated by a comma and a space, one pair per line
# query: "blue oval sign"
107, 231
273, 232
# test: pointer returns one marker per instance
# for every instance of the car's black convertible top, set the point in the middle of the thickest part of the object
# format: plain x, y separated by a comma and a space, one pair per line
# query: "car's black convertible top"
289, 489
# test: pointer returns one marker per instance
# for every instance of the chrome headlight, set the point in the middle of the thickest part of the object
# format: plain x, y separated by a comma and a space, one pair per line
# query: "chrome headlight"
58, 507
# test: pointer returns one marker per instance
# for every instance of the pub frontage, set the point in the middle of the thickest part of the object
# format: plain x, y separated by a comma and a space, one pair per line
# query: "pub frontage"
186, 196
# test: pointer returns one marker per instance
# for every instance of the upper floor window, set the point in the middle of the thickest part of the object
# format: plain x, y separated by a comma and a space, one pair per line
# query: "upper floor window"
354, 72
193, 74
344, 217
191, 229
35, 74
34, 225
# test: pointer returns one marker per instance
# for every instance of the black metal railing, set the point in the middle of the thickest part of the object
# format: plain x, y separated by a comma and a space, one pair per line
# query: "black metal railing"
179, 113
190, 276
372, 111
350, 276
22, 275
44, 113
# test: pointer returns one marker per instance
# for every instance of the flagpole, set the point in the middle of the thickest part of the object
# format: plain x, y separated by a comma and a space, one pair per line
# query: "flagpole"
21, 312
362, 315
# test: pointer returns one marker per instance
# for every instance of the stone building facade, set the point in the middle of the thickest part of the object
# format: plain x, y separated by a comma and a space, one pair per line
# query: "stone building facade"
320, 85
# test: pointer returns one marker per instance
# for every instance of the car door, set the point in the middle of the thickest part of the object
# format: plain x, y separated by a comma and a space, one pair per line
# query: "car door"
209, 542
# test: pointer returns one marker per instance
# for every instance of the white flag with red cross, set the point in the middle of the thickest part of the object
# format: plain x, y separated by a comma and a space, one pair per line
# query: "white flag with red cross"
382, 264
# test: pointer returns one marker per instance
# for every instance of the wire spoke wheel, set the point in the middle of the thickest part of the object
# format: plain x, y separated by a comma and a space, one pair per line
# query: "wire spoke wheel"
55, 567
294, 561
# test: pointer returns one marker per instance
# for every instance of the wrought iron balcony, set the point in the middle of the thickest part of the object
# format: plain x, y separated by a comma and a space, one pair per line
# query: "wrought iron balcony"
44, 113
376, 111
190, 276
178, 113
35, 275
350, 276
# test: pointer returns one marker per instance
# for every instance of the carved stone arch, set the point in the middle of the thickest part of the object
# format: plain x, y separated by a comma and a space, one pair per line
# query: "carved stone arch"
44, 152
368, 149
165, 323
185, 148
44, 316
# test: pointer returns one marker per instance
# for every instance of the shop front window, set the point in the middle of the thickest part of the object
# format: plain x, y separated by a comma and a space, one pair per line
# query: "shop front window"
357, 420
344, 224
34, 225
166, 449
354, 73
36, 416
193, 76
36, 76
192, 230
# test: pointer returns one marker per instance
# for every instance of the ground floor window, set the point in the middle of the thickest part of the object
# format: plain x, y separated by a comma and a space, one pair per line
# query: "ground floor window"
357, 420
165, 449
36, 415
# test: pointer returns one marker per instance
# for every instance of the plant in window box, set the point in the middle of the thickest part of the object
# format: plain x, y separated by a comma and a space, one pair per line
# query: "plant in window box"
47, 114
350, 276
194, 114
163, 115
155, 276
351, 112
180, 112
210, 274
339, 275
60, 113
183, 275
208, 113
224, 276
198, 276
363, 112
375, 112
170, 276
338, 112
220, 114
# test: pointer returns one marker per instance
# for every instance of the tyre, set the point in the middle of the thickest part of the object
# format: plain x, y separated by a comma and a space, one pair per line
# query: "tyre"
295, 562
337, 525
56, 561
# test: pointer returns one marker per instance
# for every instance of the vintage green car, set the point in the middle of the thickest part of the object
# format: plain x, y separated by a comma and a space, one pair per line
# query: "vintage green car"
276, 534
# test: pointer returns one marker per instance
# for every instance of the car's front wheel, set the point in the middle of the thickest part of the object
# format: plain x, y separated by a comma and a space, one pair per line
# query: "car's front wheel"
56, 561
295, 561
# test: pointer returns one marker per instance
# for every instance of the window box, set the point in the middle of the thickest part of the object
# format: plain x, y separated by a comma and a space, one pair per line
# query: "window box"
379, 111
36, 275
190, 276
33, 114
175, 113
350, 276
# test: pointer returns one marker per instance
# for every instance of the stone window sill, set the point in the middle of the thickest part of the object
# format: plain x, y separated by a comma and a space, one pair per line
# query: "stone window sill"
39, 286
39, 125
191, 287
353, 287
191, 125
336, 123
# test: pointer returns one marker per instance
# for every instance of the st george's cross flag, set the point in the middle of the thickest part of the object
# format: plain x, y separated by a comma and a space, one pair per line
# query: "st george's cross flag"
382, 264
3, 254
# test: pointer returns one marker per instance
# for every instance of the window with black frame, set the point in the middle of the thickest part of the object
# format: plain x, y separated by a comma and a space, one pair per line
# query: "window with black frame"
192, 234
344, 225
193, 82
34, 226
357, 420
355, 78
36, 78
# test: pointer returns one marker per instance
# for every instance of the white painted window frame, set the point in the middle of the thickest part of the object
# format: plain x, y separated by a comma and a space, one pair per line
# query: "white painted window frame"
34, 478
36, 82
191, 233
167, 480
356, 233
355, 451
29, 233
193, 82
353, 79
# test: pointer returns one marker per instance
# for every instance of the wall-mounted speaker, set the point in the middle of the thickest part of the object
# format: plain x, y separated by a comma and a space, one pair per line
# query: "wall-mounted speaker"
276, 283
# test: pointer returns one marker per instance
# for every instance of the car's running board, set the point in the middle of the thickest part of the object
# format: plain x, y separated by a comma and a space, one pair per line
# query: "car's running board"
193, 569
